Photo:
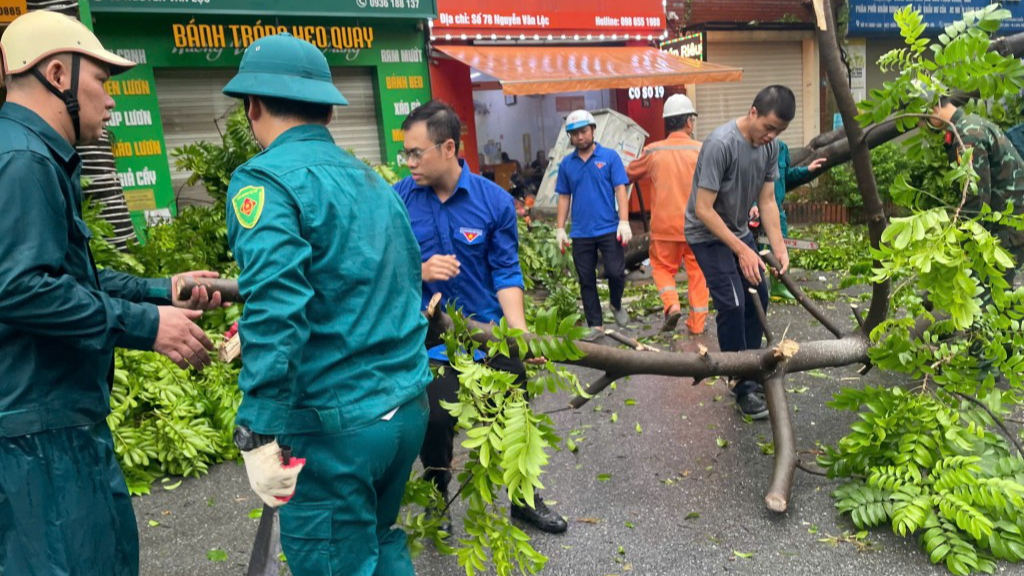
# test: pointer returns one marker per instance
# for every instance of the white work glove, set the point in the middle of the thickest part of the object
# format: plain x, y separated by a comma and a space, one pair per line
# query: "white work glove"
272, 481
625, 233
562, 238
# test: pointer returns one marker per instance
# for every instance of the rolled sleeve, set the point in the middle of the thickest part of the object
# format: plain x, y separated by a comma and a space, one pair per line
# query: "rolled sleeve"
37, 295
273, 257
504, 254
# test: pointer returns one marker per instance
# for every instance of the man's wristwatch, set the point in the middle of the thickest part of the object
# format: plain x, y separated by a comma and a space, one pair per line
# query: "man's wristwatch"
247, 440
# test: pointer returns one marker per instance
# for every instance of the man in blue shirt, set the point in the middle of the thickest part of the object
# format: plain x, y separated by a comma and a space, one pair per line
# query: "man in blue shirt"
467, 232
593, 181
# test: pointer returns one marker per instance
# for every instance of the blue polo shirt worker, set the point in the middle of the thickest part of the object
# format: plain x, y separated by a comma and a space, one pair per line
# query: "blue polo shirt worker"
469, 244
592, 181
738, 165
64, 505
332, 336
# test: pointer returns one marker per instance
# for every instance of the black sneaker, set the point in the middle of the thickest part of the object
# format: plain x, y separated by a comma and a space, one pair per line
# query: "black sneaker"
540, 517
753, 405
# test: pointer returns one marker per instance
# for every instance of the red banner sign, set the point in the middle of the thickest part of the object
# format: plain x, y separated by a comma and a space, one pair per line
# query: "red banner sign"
544, 18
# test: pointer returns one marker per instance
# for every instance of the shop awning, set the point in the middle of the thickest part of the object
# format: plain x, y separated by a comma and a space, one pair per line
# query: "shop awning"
546, 70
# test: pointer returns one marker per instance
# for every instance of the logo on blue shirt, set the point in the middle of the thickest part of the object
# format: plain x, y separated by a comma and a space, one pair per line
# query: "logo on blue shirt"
471, 234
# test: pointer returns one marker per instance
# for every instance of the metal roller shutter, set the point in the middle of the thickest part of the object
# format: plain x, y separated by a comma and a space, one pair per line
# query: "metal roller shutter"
763, 64
192, 106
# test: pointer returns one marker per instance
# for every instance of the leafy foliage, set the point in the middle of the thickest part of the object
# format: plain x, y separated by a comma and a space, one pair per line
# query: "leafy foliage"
167, 421
929, 462
887, 161
840, 247
507, 440
212, 164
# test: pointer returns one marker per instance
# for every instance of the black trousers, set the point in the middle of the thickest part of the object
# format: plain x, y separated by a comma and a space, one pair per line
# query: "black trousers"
584, 256
439, 442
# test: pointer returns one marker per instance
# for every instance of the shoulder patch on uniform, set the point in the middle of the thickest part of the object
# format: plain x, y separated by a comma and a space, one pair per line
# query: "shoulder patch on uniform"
248, 205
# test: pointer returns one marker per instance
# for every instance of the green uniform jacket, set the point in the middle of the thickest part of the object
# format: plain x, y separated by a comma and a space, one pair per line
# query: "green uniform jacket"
787, 173
332, 335
1000, 172
60, 319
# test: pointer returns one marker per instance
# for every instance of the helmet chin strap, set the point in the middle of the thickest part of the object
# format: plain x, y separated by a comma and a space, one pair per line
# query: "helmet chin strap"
69, 96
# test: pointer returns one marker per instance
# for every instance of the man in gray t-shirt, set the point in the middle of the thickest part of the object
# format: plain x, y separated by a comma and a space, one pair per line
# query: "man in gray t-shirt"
737, 167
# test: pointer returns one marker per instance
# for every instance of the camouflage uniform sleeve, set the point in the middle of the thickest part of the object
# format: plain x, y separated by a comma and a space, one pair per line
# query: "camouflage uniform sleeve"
975, 139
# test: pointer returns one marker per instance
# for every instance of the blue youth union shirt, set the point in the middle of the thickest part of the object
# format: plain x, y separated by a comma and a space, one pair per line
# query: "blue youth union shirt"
592, 186
478, 225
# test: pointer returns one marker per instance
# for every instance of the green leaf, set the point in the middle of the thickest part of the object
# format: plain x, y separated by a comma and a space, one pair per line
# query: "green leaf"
153, 523
742, 554
604, 477
630, 402
722, 442
638, 429
256, 513
174, 486
615, 417
692, 516
630, 525
216, 555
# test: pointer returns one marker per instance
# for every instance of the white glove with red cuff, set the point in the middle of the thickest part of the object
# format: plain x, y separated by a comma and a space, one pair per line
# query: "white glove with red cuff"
269, 478
624, 233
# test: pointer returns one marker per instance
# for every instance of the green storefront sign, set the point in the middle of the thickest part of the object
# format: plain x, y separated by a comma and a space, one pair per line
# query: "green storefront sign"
393, 49
331, 8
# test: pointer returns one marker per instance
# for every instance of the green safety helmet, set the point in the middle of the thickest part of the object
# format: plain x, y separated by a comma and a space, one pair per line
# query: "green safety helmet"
283, 66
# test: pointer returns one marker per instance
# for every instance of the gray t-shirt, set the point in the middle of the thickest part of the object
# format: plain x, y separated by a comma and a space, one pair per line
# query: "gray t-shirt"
729, 165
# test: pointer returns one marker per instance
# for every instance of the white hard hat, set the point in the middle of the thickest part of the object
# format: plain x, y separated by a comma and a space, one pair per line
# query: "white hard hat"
578, 119
677, 105
40, 34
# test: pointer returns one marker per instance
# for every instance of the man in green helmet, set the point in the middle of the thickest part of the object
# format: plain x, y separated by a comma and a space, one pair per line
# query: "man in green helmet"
332, 335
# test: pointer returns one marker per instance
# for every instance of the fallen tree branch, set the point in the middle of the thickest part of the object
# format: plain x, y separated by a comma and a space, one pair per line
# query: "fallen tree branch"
835, 147
761, 316
777, 497
801, 297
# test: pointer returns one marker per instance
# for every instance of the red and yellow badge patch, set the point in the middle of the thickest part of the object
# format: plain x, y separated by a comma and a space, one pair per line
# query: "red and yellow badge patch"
470, 234
248, 205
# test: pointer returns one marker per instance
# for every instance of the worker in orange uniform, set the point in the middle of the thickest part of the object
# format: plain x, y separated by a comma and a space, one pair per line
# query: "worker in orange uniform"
669, 164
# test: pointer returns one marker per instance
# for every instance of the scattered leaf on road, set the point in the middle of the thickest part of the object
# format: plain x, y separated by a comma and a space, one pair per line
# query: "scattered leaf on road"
216, 555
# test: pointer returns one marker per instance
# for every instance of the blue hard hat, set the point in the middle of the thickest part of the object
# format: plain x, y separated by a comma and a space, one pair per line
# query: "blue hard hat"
283, 66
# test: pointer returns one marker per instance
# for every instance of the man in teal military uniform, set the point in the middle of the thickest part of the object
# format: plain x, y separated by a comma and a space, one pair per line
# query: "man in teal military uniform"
332, 335
64, 506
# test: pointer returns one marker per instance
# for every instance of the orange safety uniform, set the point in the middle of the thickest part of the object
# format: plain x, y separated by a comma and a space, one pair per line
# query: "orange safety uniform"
669, 165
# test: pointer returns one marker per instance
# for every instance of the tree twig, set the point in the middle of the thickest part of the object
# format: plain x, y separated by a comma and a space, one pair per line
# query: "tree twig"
801, 297
999, 421
761, 316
